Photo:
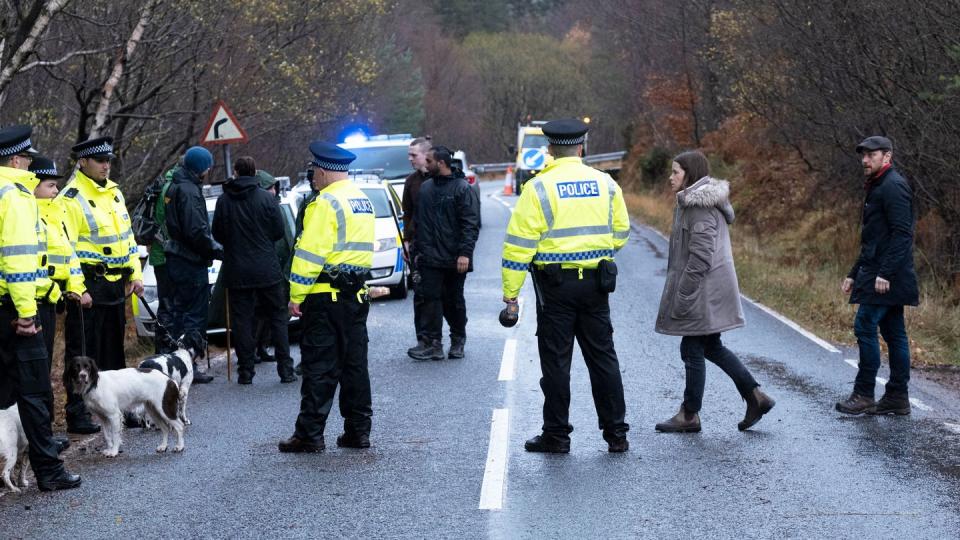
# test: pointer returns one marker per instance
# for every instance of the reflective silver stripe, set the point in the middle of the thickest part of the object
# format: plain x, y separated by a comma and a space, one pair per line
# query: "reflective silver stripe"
5, 189
544, 204
577, 231
621, 235
613, 192
310, 257
357, 246
341, 220
58, 259
94, 238
25, 249
522, 242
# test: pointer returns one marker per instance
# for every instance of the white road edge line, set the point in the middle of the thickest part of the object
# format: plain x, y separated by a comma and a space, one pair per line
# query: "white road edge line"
920, 405
495, 473
804, 332
853, 363
508, 362
952, 427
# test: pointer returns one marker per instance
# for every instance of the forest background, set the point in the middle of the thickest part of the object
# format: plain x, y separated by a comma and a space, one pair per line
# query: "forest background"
776, 92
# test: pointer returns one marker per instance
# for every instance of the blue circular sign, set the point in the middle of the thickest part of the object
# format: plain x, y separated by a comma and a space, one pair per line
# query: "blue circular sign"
533, 158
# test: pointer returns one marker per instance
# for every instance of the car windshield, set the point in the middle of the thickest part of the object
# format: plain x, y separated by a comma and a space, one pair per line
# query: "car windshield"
392, 159
378, 197
534, 141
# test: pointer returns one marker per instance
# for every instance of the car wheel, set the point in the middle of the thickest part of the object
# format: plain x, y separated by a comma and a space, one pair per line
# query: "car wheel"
399, 291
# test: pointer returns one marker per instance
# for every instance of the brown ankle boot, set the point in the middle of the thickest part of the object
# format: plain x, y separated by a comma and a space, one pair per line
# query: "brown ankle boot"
682, 422
758, 404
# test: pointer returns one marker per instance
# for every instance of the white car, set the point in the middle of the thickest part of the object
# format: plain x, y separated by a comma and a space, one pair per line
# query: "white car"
146, 324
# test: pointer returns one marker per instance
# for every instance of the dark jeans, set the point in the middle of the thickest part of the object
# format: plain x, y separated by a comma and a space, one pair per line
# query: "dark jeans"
576, 308
442, 291
189, 299
890, 321
244, 305
693, 350
333, 350
164, 310
25, 380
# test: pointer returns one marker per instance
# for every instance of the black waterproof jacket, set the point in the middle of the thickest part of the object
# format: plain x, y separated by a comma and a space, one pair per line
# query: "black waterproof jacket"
886, 244
248, 222
448, 221
186, 220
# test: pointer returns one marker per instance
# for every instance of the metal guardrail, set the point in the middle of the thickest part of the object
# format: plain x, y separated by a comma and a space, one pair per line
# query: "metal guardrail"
487, 168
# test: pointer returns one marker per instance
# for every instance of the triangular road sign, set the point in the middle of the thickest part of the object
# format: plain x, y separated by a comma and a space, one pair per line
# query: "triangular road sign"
223, 127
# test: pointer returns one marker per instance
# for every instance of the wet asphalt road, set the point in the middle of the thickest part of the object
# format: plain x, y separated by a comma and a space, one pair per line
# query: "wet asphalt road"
802, 472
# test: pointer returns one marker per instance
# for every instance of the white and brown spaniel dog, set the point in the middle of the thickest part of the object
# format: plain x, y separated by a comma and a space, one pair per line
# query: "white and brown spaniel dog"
107, 394
13, 449
178, 366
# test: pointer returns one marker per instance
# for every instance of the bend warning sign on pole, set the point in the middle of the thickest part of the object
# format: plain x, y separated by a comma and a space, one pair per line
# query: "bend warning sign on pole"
223, 127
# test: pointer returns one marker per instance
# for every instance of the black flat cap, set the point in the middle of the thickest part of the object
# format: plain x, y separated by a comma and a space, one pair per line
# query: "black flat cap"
16, 140
874, 143
44, 168
330, 156
566, 132
99, 147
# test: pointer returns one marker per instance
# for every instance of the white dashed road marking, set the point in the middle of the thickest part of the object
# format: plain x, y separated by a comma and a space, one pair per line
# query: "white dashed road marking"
508, 363
952, 427
853, 363
920, 405
495, 474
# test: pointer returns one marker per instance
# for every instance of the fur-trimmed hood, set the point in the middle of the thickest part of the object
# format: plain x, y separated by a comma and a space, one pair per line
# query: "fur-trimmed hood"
708, 192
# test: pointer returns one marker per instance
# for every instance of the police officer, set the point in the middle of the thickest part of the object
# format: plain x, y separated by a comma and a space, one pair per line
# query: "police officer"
331, 261
96, 219
60, 275
569, 222
24, 373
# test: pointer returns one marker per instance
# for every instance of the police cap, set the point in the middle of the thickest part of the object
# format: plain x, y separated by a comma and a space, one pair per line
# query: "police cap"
16, 140
99, 147
566, 132
44, 168
330, 156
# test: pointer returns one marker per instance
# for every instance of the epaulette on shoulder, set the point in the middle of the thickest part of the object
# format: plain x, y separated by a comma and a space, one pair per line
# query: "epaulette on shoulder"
22, 188
72, 192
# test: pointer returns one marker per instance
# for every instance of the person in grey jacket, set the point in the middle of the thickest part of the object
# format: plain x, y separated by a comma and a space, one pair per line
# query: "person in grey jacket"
701, 297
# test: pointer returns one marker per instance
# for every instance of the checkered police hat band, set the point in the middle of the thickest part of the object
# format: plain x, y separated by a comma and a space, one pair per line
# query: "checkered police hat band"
567, 142
100, 149
15, 149
330, 166
48, 172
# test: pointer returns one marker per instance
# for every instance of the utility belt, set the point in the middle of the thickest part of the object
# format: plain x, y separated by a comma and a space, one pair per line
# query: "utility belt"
101, 270
604, 275
348, 283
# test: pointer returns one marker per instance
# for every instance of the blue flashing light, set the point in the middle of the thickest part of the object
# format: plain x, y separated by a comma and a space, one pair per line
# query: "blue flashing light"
358, 137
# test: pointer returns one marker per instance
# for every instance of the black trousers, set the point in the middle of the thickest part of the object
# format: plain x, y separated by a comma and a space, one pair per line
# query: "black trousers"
333, 350
442, 291
47, 317
575, 308
244, 306
25, 380
102, 326
164, 307
693, 350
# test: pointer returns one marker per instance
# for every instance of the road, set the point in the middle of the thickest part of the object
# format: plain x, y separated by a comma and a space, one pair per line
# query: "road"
447, 458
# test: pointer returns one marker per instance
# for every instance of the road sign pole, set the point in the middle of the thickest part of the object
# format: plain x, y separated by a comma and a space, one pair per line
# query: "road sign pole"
226, 161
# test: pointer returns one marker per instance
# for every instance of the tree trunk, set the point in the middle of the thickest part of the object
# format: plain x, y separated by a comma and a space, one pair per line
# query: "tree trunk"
19, 57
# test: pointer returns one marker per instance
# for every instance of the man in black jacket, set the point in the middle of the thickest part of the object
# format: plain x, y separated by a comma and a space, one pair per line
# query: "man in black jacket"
882, 281
189, 250
448, 223
248, 222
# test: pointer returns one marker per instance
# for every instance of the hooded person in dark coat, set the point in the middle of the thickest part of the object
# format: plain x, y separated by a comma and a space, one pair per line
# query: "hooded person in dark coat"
248, 222
188, 251
882, 281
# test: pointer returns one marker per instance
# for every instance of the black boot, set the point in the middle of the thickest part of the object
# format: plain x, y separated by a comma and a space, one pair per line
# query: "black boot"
456, 347
62, 443
300, 446
434, 351
59, 480
896, 404
546, 444
354, 440
200, 378
422, 345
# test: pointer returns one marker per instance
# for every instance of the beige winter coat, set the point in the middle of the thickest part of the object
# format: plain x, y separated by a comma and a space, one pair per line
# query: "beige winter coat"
701, 295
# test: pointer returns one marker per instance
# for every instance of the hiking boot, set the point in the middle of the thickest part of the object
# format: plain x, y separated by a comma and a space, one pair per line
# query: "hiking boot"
299, 446
244, 378
618, 445
546, 444
422, 345
758, 404
354, 440
682, 422
288, 378
856, 404
82, 425
433, 351
896, 404
456, 347
200, 377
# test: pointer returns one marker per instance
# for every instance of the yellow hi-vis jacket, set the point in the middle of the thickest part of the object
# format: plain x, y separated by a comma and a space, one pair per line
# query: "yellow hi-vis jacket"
338, 234
62, 263
96, 219
569, 214
19, 245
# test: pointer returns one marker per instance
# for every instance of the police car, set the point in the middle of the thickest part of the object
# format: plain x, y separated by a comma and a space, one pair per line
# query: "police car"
389, 268
146, 324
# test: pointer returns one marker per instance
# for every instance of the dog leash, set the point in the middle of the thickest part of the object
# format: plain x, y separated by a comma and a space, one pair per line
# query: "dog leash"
153, 315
